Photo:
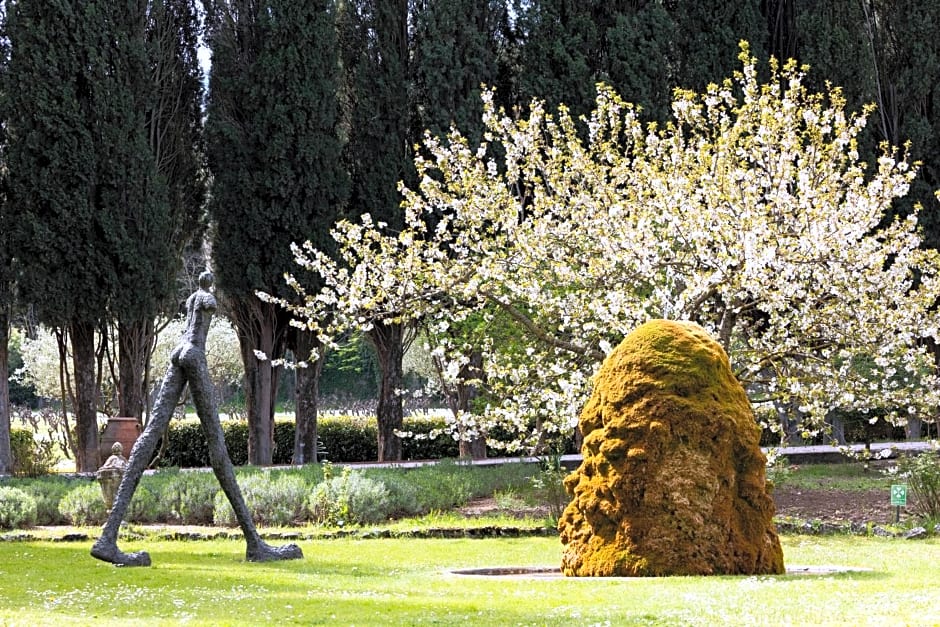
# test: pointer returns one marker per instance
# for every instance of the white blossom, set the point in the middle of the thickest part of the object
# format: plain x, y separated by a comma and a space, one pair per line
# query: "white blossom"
750, 215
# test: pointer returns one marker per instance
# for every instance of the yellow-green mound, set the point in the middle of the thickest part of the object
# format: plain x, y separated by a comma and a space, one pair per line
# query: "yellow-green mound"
673, 479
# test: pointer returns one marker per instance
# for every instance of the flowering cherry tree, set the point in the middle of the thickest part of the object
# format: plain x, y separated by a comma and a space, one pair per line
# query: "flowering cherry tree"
750, 214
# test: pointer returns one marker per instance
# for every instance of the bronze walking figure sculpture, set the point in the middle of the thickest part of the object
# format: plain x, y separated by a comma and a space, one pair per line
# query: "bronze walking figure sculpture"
187, 365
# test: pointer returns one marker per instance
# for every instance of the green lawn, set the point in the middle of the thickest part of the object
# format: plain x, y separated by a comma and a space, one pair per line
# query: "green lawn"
844, 476
407, 582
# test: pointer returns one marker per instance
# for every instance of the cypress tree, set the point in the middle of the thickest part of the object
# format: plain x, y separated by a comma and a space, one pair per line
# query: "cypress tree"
904, 52
6, 301
559, 56
568, 47
641, 58
831, 38
709, 32
274, 153
6, 296
81, 176
6, 283
378, 89
879, 52
457, 47
171, 95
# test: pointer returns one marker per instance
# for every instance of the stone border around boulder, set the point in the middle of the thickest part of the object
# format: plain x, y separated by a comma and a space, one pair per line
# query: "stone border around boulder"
548, 572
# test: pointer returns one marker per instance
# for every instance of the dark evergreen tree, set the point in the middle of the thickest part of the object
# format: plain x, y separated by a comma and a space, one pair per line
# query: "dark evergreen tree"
567, 47
904, 52
375, 48
172, 91
6, 296
6, 302
457, 47
641, 59
560, 52
878, 52
709, 33
6, 283
831, 38
82, 176
780, 17
274, 152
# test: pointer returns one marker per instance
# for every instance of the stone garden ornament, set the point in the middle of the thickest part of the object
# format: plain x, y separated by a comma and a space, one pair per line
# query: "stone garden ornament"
187, 365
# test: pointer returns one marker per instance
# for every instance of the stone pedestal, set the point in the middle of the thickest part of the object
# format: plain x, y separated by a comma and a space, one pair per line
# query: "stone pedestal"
110, 474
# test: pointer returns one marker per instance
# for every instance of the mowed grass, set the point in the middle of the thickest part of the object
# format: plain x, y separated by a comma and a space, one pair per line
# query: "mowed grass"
408, 582
845, 476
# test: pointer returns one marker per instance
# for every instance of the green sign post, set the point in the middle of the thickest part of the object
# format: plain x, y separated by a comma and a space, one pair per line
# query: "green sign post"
898, 499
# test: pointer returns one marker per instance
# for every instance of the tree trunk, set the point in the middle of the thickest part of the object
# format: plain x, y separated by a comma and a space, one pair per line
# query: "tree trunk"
475, 447
6, 452
913, 427
259, 329
837, 427
388, 340
306, 394
86, 395
790, 433
135, 337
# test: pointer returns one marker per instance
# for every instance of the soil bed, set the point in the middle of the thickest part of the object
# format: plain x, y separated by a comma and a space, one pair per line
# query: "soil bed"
833, 505
823, 504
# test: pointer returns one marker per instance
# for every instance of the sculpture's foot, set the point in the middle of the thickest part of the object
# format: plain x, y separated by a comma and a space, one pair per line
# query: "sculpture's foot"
108, 552
267, 553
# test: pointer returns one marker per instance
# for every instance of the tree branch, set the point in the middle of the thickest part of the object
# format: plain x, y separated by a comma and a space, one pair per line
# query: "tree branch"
541, 334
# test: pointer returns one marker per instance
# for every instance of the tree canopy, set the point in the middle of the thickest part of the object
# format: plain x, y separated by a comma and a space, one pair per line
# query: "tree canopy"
750, 213
314, 113
89, 197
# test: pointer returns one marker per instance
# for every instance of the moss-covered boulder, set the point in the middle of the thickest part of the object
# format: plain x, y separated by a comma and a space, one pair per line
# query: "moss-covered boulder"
673, 478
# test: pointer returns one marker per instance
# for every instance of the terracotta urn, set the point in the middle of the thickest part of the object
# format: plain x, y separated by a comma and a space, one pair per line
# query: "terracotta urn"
119, 429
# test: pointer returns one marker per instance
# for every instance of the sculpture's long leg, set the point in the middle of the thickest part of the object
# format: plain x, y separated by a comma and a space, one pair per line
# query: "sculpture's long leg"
105, 548
201, 388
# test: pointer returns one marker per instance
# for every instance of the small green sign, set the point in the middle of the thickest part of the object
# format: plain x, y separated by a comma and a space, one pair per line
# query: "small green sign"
899, 494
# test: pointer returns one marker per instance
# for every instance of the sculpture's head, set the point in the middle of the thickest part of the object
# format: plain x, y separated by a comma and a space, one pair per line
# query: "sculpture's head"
206, 280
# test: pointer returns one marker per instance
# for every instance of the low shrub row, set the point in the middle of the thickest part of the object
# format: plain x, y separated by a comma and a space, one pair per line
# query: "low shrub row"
320, 494
343, 439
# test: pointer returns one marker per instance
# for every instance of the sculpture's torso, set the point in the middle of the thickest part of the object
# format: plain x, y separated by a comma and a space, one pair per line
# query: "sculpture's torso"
199, 309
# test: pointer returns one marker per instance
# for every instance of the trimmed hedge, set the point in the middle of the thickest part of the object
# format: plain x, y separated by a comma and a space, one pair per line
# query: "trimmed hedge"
344, 439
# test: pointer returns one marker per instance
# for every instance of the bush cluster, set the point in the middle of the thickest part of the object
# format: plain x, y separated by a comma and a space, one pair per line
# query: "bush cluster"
47, 492
275, 497
31, 458
923, 475
350, 498
17, 509
84, 505
187, 498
